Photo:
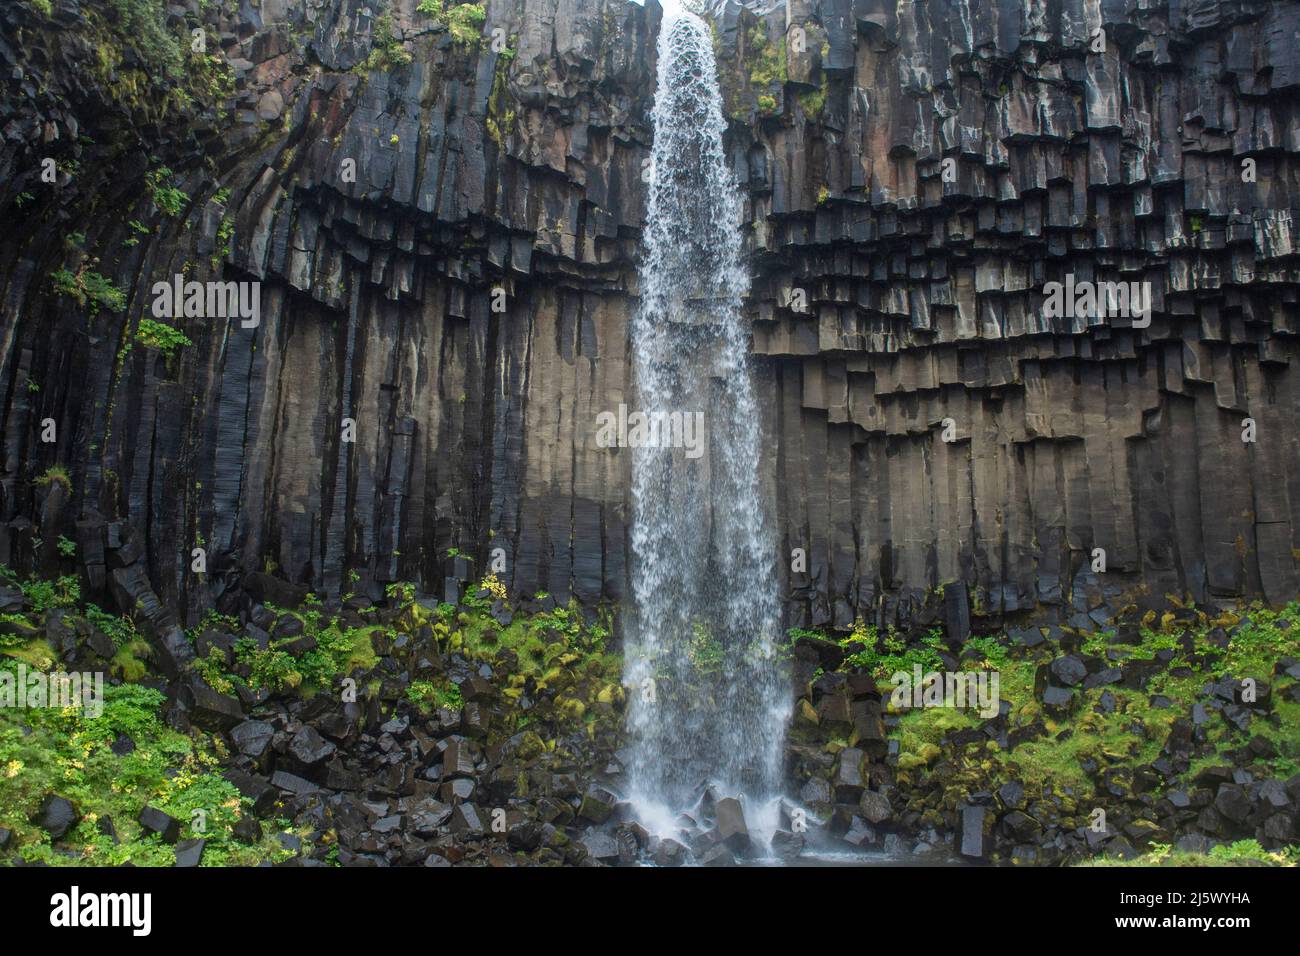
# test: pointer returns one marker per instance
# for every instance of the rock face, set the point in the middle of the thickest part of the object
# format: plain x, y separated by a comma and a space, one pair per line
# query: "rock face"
446, 249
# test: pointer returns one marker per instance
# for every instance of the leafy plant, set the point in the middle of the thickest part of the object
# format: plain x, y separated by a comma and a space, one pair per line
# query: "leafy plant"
166, 196
86, 286
387, 51
401, 591
466, 22
42, 595
141, 23
160, 336
427, 695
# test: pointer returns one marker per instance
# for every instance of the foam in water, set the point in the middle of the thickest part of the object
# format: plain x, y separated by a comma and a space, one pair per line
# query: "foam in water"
708, 704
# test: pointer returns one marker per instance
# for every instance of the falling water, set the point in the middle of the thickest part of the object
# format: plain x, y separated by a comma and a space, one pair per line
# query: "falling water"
708, 706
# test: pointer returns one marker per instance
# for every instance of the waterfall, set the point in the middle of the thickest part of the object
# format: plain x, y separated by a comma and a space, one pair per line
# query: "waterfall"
708, 703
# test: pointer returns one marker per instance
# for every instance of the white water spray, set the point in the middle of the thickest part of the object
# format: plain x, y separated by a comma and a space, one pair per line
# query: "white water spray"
708, 702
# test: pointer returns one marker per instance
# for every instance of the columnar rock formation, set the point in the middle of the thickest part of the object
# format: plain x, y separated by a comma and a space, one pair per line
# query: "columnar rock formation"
516, 165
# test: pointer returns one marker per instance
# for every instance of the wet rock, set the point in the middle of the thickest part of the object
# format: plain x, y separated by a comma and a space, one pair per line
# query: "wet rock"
848, 776
732, 828
787, 845
668, 852
255, 788
1194, 843
601, 847
875, 807
1059, 700
292, 783
597, 805
718, 855
860, 833
465, 820
971, 840
1012, 794
208, 708
815, 791
458, 759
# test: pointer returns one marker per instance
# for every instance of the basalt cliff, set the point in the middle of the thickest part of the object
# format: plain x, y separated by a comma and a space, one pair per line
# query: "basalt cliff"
442, 205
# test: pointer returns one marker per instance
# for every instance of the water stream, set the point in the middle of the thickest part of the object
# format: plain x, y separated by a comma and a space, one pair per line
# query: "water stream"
708, 699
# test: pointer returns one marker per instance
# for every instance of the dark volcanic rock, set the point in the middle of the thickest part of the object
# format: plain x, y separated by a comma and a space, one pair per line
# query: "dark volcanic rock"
732, 828
875, 807
167, 827
971, 841
56, 816
310, 748
252, 737
921, 232
190, 852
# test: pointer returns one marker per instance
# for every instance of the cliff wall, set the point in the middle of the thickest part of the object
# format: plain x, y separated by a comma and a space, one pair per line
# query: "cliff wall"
390, 175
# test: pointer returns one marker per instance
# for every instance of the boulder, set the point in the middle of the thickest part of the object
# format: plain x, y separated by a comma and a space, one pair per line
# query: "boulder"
875, 807
57, 816
190, 852
309, 748
971, 841
732, 828
153, 820
252, 737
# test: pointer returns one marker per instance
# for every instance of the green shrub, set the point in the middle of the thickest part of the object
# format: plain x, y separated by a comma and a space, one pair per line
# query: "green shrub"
89, 287
166, 196
466, 22
387, 51
160, 336
143, 24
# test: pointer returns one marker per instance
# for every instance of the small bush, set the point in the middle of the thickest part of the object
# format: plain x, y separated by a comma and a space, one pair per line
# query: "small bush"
160, 336
88, 287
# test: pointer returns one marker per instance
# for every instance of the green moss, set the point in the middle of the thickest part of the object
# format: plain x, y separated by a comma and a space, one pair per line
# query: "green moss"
501, 105
1240, 853
1061, 757
55, 474
767, 59
221, 249
142, 24
814, 102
